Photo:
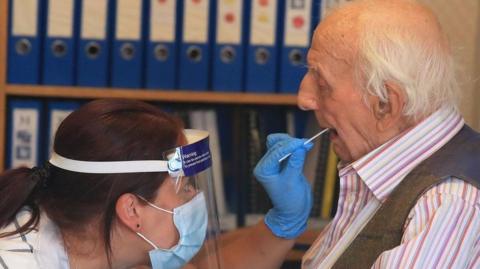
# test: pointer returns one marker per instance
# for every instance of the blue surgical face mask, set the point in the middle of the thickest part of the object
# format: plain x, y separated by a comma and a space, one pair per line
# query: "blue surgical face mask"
191, 222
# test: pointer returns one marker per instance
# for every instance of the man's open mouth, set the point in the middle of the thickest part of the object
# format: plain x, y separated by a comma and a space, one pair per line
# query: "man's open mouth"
333, 133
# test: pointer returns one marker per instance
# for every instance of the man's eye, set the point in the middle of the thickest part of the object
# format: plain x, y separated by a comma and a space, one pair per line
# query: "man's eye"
320, 80
322, 84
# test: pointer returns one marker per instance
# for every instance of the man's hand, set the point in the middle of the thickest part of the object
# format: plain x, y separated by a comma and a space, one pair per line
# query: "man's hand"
286, 185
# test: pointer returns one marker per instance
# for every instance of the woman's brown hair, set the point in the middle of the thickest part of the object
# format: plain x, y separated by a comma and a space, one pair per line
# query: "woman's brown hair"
102, 130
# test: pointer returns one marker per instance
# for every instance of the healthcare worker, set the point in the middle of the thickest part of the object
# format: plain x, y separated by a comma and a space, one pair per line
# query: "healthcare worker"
126, 186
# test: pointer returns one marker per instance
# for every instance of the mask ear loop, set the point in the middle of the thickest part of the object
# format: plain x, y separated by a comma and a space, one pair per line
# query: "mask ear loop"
178, 183
156, 207
148, 241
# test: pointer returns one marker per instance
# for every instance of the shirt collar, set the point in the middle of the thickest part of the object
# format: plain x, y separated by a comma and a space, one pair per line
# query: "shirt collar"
50, 251
385, 167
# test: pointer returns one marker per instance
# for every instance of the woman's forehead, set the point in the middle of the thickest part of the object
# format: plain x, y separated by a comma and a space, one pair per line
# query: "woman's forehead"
182, 139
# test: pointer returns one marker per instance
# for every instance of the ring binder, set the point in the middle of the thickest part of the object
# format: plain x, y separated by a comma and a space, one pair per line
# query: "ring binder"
59, 44
195, 44
263, 48
127, 59
229, 47
24, 41
93, 49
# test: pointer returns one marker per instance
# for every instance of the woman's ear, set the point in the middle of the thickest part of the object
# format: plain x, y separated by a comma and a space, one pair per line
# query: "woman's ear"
129, 209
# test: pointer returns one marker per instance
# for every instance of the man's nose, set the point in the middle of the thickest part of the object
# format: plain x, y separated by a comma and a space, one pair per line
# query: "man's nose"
307, 97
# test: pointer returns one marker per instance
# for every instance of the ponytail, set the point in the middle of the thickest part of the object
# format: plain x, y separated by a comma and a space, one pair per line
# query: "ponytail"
18, 188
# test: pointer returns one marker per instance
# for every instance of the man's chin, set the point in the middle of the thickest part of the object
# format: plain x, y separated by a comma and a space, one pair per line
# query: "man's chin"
333, 135
341, 153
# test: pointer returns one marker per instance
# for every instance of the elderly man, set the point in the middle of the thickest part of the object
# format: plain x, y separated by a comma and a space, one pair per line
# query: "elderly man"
381, 78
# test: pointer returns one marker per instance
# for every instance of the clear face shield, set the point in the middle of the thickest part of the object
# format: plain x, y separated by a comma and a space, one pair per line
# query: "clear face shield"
196, 220
190, 167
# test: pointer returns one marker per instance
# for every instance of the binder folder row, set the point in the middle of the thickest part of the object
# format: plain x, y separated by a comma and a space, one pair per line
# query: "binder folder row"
223, 45
28, 144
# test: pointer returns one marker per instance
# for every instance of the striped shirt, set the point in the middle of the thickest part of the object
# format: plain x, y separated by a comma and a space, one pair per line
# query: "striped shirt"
442, 229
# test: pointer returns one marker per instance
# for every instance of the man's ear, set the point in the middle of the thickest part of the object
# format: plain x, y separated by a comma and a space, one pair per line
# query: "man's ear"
389, 114
128, 209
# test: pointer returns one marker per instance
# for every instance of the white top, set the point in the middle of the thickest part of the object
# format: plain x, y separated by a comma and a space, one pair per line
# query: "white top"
39, 249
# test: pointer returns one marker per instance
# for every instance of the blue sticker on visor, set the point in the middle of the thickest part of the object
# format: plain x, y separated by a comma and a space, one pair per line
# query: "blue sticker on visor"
196, 157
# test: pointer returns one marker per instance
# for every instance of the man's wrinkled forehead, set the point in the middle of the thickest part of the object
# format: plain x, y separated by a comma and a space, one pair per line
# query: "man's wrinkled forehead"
337, 35
334, 44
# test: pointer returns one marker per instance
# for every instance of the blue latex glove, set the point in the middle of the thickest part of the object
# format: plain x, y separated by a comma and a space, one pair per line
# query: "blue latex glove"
286, 185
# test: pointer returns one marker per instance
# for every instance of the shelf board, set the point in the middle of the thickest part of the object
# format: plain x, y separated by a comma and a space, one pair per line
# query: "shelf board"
152, 95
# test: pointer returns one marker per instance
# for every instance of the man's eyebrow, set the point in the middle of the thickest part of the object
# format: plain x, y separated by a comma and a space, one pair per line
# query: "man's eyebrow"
315, 69
308, 61
319, 73
312, 67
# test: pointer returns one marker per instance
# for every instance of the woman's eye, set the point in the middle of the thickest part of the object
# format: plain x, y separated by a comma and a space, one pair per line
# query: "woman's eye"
188, 186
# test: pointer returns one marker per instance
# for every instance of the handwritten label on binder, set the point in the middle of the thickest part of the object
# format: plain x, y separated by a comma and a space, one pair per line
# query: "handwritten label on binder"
162, 20
229, 21
263, 22
94, 19
297, 23
24, 137
129, 19
25, 17
60, 18
195, 22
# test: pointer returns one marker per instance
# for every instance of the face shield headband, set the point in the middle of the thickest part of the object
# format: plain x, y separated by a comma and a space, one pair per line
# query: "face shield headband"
185, 160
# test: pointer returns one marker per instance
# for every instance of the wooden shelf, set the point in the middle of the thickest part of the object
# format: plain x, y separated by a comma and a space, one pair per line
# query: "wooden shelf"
152, 95
176, 96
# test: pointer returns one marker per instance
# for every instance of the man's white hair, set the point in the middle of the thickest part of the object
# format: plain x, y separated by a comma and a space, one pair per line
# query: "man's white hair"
392, 52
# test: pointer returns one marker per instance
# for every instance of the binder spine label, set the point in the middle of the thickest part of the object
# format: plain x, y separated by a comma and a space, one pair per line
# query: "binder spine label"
263, 22
229, 21
129, 14
162, 20
25, 17
60, 18
195, 22
94, 19
24, 137
297, 23
57, 117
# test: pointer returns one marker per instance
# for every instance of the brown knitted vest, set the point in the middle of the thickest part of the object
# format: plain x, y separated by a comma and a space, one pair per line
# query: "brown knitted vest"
460, 158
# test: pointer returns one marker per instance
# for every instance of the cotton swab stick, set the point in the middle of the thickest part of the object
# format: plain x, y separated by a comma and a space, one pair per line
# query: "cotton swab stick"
306, 142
